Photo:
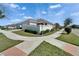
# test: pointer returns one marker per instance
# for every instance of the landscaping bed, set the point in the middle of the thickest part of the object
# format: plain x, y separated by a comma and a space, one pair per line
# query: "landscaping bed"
46, 49
6, 43
69, 38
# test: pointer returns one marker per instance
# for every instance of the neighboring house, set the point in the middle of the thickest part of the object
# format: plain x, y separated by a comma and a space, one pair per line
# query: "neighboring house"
37, 25
33, 25
14, 26
75, 26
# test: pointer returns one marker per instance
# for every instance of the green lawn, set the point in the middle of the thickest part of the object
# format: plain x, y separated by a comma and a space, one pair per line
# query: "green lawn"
31, 34
46, 49
71, 38
51, 32
6, 43
25, 33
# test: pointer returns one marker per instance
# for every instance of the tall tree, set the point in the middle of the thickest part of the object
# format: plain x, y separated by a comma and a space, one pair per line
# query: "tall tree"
67, 22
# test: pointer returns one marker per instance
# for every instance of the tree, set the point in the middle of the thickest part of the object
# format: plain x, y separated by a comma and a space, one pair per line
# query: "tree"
68, 30
74, 26
1, 14
67, 22
57, 26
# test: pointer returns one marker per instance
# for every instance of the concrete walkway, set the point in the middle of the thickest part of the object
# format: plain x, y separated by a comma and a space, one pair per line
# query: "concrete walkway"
72, 49
30, 43
14, 36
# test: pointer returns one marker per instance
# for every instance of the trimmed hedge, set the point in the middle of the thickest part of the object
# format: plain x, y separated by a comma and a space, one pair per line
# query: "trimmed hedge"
42, 32
30, 31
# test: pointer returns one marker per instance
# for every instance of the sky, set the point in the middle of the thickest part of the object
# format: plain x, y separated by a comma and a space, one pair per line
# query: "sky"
53, 12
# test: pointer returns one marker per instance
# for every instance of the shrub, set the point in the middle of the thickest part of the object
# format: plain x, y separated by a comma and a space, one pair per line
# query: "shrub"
30, 31
68, 30
19, 27
3, 28
44, 32
52, 29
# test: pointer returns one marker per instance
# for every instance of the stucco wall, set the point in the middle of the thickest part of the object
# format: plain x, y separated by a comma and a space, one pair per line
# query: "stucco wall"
37, 28
45, 27
30, 27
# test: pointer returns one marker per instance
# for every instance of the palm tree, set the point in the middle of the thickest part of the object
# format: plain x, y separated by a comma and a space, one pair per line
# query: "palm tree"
67, 22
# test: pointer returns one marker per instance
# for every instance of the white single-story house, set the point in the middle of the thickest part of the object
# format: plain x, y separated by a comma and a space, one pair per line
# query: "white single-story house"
14, 26
11, 26
37, 25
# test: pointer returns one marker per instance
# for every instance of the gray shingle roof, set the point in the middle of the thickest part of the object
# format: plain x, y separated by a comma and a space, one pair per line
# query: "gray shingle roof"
43, 21
37, 21
32, 21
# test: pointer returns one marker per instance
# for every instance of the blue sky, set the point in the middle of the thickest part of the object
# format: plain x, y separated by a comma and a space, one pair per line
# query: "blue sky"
53, 12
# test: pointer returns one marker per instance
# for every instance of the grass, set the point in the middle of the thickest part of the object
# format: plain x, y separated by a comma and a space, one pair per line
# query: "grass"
70, 38
6, 43
33, 35
46, 49
25, 33
51, 32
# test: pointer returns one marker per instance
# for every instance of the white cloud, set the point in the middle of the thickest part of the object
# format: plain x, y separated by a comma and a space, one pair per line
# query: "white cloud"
22, 14
27, 17
23, 8
14, 5
60, 13
44, 12
75, 14
55, 6
15, 20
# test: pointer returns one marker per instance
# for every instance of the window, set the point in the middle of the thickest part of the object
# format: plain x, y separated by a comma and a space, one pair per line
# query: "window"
40, 23
45, 23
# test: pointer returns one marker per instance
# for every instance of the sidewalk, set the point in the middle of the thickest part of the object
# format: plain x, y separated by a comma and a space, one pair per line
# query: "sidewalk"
72, 49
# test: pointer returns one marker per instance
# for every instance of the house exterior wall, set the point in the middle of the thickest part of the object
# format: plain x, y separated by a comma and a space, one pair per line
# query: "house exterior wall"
45, 27
30, 27
37, 28
32, 24
11, 27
